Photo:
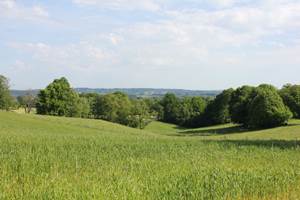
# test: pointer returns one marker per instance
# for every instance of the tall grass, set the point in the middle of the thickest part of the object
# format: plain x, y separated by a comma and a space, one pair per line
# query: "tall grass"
61, 158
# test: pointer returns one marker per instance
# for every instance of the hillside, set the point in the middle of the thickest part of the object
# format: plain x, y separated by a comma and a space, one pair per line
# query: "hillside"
138, 92
63, 158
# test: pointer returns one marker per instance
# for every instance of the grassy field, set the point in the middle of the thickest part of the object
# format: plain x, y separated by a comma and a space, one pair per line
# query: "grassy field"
62, 158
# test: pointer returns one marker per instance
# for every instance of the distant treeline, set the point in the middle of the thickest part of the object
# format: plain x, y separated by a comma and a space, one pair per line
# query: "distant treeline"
252, 107
134, 92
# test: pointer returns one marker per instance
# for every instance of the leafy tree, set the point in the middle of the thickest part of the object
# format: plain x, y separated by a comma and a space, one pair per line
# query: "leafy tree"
6, 99
239, 104
81, 108
267, 109
90, 99
156, 110
170, 104
291, 97
139, 116
217, 111
113, 107
27, 101
191, 109
58, 99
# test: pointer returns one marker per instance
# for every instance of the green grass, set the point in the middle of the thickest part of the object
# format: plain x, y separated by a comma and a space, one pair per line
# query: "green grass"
62, 158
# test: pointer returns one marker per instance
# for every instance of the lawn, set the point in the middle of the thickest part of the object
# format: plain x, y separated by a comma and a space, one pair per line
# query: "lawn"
63, 158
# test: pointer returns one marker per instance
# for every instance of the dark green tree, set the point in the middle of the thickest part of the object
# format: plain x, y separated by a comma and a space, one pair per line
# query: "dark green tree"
6, 100
239, 104
58, 99
291, 97
156, 110
217, 111
267, 109
171, 108
115, 107
190, 110
140, 114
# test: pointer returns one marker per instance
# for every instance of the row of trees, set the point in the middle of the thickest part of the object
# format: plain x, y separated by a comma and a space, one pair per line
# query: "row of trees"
253, 107
59, 99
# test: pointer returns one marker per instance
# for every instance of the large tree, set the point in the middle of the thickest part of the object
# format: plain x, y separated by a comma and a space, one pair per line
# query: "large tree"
171, 108
113, 107
291, 97
140, 114
6, 99
239, 104
267, 109
217, 111
58, 99
190, 110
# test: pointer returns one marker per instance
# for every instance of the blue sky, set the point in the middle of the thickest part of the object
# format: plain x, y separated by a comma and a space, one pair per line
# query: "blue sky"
191, 44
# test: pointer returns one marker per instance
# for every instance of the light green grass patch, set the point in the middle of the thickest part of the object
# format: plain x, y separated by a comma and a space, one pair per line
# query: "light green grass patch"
63, 158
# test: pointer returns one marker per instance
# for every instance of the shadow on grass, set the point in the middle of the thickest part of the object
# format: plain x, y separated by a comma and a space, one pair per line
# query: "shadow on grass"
214, 131
282, 144
220, 131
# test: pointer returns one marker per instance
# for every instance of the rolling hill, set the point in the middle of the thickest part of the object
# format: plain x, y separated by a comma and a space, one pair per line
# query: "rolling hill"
46, 157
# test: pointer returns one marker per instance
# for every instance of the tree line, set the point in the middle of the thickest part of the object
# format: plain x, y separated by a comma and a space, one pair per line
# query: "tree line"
252, 107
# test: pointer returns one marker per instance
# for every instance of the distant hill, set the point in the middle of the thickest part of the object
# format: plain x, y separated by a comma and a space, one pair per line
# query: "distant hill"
138, 92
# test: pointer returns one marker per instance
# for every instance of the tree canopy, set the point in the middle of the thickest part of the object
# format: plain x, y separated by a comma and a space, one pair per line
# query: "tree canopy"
291, 97
267, 109
6, 99
59, 99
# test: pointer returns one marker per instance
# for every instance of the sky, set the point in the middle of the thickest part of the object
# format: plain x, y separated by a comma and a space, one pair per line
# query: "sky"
187, 44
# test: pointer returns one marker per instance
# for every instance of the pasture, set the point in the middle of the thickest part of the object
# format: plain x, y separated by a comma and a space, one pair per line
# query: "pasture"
43, 157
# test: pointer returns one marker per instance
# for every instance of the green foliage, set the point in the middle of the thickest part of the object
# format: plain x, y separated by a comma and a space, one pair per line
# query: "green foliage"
291, 97
171, 108
267, 108
115, 107
191, 109
139, 116
60, 99
155, 108
217, 111
6, 100
239, 104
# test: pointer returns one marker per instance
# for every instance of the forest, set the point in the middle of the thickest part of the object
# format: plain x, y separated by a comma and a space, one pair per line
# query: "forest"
263, 106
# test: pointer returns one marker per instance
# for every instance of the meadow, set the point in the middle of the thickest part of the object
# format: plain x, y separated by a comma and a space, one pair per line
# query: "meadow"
43, 157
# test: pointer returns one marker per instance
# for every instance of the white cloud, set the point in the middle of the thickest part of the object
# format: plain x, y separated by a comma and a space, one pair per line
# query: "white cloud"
149, 5
14, 10
80, 56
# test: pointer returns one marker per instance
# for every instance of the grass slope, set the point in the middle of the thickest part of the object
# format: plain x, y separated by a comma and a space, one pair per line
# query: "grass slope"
63, 158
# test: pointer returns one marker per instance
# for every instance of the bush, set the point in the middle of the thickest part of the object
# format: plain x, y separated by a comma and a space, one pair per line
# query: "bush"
267, 109
291, 97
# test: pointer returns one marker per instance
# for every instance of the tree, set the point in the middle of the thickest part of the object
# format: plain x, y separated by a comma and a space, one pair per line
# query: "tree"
191, 109
58, 99
291, 97
239, 104
113, 107
217, 111
6, 99
156, 110
139, 116
27, 101
267, 109
170, 104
